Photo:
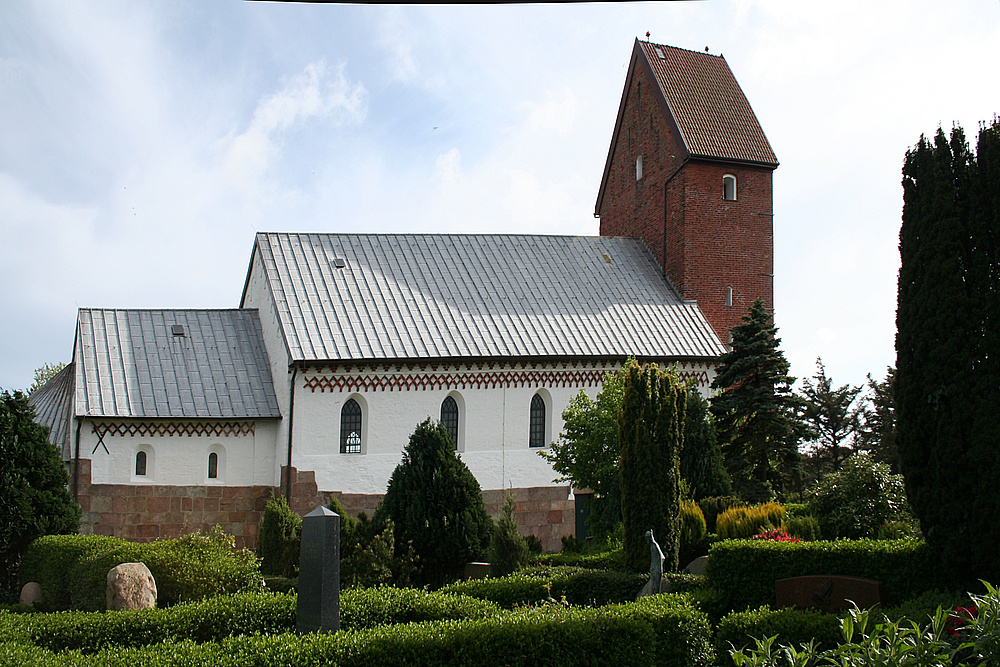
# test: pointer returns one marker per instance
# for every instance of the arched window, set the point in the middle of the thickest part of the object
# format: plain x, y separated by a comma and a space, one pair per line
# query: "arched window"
140, 464
213, 466
729, 296
729, 187
350, 428
536, 428
449, 417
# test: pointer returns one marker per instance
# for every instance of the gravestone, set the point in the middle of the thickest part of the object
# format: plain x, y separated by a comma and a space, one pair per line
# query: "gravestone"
697, 566
31, 593
828, 593
319, 573
476, 571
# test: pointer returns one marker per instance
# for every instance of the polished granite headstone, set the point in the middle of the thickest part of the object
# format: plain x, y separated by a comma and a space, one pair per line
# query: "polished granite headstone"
319, 573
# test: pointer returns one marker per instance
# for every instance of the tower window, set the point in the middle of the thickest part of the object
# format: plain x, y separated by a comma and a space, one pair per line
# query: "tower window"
729, 296
213, 466
536, 428
140, 464
729, 187
638, 168
449, 417
350, 428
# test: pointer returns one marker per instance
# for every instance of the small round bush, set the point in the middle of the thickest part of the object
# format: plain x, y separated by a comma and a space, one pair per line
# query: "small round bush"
855, 501
280, 532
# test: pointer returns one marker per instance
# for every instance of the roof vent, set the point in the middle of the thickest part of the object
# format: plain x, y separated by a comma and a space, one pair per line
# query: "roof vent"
659, 52
339, 262
177, 330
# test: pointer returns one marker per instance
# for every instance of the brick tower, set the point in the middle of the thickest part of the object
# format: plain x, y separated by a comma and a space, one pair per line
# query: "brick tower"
689, 172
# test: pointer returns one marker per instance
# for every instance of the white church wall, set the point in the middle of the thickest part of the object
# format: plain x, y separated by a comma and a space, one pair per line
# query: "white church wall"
177, 453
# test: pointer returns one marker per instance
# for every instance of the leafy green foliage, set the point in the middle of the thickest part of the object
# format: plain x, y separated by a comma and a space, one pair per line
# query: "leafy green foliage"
34, 500
72, 569
280, 534
587, 451
792, 627
948, 347
651, 433
508, 548
660, 630
858, 499
742, 572
702, 465
43, 374
805, 527
755, 411
436, 506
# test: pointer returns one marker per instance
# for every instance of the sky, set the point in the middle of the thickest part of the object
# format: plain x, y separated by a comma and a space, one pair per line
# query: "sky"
143, 144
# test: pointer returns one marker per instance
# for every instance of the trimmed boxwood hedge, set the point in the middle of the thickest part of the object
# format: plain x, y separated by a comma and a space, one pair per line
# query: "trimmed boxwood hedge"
533, 585
72, 569
792, 627
743, 572
225, 616
661, 630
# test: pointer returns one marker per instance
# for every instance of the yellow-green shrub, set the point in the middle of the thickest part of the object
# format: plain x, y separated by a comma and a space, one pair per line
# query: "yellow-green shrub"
738, 523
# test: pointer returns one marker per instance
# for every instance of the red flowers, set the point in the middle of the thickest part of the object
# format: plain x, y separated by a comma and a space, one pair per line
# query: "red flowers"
958, 619
776, 535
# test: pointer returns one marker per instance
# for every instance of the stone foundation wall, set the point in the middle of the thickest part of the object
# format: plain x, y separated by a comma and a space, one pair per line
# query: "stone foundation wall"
143, 513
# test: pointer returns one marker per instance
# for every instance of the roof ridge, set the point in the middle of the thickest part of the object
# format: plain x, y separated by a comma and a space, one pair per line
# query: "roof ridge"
681, 48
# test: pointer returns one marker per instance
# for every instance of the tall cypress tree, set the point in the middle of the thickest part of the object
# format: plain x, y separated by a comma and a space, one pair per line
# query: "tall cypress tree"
948, 372
651, 436
755, 413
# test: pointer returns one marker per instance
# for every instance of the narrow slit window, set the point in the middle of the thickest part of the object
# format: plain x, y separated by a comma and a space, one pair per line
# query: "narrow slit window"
729, 296
449, 417
140, 464
729, 187
350, 428
536, 430
213, 466
638, 168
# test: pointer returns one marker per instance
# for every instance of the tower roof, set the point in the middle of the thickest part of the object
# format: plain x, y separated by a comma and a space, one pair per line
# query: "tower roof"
704, 104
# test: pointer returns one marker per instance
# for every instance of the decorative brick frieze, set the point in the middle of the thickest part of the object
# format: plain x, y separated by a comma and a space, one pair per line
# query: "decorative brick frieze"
147, 429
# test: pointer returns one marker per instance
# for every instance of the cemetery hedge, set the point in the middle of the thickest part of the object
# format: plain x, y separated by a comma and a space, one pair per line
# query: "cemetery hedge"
791, 626
666, 630
72, 569
743, 572
231, 615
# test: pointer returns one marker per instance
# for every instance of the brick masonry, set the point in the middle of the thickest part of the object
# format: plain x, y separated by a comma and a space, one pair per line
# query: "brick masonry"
705, 243
143, 513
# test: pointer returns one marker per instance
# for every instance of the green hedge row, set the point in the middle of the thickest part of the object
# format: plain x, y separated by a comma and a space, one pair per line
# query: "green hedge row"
742, 572
533, 585
73, 569
225, 616
792, 627
665, 630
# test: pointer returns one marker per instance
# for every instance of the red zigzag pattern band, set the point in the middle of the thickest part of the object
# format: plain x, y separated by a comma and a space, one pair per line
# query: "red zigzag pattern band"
167, 428
484, 380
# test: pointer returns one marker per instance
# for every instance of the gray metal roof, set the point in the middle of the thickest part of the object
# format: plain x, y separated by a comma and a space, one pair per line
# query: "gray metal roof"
423, 296
130, 363
53, 402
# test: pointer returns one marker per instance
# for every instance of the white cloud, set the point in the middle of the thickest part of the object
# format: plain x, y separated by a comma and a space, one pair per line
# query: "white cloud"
314, 92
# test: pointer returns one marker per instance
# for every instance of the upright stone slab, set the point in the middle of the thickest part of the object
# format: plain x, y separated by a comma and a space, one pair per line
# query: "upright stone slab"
319, 573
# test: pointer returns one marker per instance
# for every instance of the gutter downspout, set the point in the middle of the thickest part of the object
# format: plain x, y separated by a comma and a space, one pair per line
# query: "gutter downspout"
76, 462
291, 422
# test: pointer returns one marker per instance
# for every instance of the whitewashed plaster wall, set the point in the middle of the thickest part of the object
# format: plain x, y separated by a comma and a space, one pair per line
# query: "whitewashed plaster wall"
494, 412
244, 459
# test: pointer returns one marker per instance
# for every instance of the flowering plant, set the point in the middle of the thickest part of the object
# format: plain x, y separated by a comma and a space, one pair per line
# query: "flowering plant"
958, 621
776, 535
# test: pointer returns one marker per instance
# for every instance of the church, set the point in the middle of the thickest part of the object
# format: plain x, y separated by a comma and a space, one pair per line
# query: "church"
176, 420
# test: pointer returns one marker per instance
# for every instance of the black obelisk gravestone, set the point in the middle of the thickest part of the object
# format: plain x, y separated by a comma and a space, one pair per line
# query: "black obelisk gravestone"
319, 573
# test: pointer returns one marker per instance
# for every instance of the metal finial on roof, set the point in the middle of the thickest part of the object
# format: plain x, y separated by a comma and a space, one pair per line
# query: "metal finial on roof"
647, 34
706, 49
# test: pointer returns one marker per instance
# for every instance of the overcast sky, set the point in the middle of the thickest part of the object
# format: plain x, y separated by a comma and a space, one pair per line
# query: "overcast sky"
142, 144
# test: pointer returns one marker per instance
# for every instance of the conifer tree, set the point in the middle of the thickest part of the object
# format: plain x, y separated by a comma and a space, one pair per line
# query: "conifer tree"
829, 413
947, 348
436, 506
702, 466
651, 436
755, 412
